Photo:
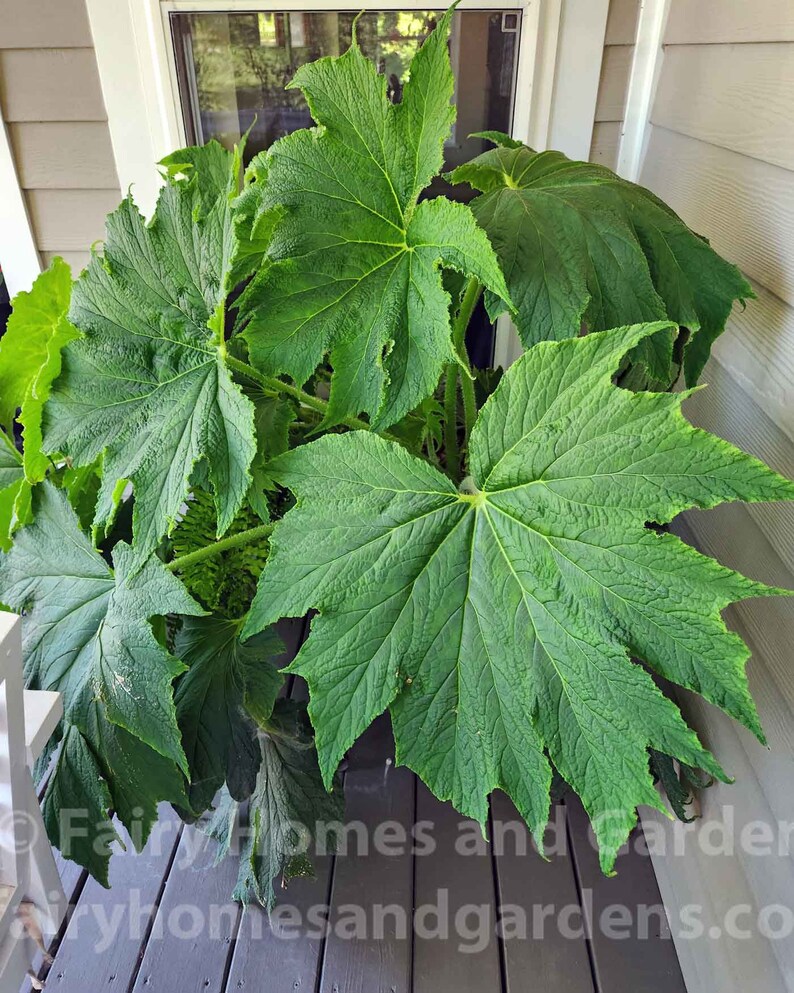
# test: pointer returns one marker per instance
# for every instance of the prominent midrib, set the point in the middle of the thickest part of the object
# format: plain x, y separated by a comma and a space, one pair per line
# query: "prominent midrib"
525, 593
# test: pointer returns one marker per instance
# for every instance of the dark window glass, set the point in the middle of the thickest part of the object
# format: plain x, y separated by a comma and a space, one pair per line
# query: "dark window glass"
232, 68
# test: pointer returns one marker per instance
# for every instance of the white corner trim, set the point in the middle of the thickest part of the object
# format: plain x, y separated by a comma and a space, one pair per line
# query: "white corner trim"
580, 51
644, 75
135, 133
535, 83
19, 257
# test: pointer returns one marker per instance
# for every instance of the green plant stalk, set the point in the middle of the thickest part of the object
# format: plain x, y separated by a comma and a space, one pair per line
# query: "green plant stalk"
218, 547
471, 296
469, 403
451, 420
278, 386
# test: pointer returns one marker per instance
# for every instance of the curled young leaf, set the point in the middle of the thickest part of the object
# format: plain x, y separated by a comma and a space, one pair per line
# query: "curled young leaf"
581, 246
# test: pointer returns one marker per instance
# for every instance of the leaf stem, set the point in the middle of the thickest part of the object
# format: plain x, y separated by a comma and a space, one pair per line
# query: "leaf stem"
218, 547
276, 385
451, 420
469, 403
469, 301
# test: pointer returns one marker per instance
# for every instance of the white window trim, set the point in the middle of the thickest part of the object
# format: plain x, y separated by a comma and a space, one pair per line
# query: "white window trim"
138, 74
19, 256
643, 79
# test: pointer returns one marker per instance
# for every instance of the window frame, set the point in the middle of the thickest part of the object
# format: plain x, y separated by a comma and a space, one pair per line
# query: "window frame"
174, 131
561, 45
137, 71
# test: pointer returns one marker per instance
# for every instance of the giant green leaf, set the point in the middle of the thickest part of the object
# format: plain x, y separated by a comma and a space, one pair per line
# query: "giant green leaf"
30, 357
226, 683
497, 621
580, 246
355, 255
86, 633
147, 384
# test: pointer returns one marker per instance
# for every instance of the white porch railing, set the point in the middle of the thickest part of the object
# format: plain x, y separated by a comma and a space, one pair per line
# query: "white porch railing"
30, 888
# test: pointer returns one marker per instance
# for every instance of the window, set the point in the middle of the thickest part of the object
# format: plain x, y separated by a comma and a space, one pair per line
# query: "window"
232, 68
147, 55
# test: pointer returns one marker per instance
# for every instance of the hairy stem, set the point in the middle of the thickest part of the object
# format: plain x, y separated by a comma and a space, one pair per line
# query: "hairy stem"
451, 420
469, 301
218, 547
275, 385
469, 403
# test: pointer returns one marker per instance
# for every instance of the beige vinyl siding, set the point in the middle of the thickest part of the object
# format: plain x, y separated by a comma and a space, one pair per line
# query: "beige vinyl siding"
736, 97
606, 142
58, 155
729, 22
50, 84
69, 220
614, 83
55, 115
744, 206
613, 86
721, 153
44, 24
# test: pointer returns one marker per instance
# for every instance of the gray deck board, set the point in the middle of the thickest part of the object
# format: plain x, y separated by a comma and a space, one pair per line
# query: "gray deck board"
102, 943
375, 793
644, 958
73, 878
282, 955
176, 958
460, 884
556, 962
248, 952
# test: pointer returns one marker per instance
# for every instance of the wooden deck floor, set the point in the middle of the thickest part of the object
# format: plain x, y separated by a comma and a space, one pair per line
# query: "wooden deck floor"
168, 923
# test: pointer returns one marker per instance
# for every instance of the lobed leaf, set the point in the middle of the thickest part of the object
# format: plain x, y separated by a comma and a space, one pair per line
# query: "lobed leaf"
86, 634
354, 260
579, 246
147, 384
496, 622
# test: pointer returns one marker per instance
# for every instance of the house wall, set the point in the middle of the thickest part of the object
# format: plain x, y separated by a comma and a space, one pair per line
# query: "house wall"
721, 153
614, 83
52, 104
